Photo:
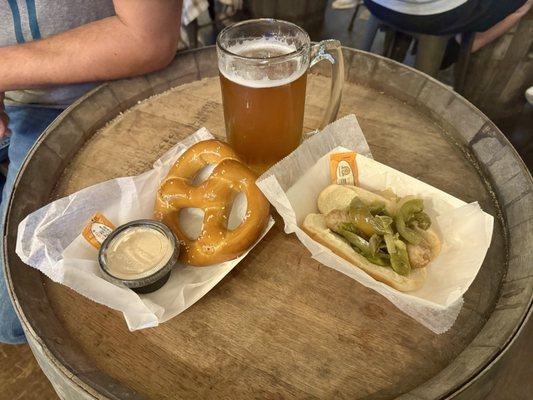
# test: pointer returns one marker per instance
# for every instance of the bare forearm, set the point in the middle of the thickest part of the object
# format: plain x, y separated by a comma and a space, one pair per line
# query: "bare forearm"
483, 38
105, 49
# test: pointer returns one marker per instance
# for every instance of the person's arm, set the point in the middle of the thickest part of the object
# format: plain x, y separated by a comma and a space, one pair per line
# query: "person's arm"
141, 37
483, 38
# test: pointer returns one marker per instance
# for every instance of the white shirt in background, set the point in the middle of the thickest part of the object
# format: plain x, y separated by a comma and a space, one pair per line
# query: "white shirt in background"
420, 7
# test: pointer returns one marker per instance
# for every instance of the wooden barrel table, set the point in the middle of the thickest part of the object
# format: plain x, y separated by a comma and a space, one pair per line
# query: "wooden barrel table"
280, 325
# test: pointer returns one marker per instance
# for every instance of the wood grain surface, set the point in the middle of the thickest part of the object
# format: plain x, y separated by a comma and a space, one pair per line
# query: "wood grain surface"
280, 325
22, 379
20, 376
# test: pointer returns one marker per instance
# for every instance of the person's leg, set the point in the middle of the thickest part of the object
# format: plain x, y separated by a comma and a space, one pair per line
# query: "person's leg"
26, 125
483, 38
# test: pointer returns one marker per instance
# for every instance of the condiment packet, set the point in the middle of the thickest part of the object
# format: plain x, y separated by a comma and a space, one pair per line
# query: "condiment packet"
97, 230
343, 168
294, 184
50, 240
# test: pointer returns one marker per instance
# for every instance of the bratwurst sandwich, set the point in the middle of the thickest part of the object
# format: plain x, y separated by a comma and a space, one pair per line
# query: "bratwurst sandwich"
388, 237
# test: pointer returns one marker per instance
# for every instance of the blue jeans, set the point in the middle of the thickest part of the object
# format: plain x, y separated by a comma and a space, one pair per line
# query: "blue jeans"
26, 125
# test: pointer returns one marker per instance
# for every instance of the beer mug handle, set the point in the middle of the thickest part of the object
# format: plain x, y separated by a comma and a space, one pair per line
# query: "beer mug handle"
331, 50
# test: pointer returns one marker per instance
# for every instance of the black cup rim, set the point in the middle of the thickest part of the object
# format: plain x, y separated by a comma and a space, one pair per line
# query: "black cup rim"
147, 280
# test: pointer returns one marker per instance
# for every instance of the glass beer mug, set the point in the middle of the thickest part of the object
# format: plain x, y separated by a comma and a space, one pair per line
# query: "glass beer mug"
263, 66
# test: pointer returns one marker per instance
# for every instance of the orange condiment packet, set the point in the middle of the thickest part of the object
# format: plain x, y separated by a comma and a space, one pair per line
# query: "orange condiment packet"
343, 168
97, 229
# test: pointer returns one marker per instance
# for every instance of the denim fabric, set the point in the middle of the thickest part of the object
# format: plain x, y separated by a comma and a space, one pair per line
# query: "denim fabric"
26, 125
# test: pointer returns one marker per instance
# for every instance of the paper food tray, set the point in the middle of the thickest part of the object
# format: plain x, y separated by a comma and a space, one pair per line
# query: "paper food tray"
294, 184
49, 240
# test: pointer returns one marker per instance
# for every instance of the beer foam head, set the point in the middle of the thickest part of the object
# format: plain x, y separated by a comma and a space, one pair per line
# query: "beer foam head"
262, 66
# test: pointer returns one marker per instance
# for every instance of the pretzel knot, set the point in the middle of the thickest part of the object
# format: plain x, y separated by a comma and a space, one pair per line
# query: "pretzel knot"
216, 243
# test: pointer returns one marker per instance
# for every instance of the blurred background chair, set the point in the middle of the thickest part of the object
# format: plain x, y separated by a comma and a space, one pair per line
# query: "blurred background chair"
429, 49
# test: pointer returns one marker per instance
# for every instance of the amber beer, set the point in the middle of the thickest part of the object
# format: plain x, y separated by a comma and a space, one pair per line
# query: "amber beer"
263, 68
263, 123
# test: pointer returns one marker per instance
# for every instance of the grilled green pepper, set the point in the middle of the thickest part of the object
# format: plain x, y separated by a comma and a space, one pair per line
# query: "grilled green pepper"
385, 222
365, 222
362, 246
420, 220
406, 212
349, 232
375, 241
377, 207
399, 259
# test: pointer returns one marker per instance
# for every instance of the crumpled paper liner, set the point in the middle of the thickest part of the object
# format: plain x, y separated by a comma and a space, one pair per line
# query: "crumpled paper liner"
49, 240
294, 184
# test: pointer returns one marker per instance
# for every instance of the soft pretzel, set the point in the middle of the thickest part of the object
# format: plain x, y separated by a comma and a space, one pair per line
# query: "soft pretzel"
215, 196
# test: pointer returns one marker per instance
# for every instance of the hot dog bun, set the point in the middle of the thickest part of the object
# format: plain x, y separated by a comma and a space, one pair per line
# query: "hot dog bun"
338, 197
315, 226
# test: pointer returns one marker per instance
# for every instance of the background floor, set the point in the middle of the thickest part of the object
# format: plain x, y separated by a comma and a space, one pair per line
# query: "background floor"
21, 377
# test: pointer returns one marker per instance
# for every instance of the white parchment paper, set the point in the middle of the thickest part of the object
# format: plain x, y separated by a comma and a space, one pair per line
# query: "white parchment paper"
294, 184
49, 239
